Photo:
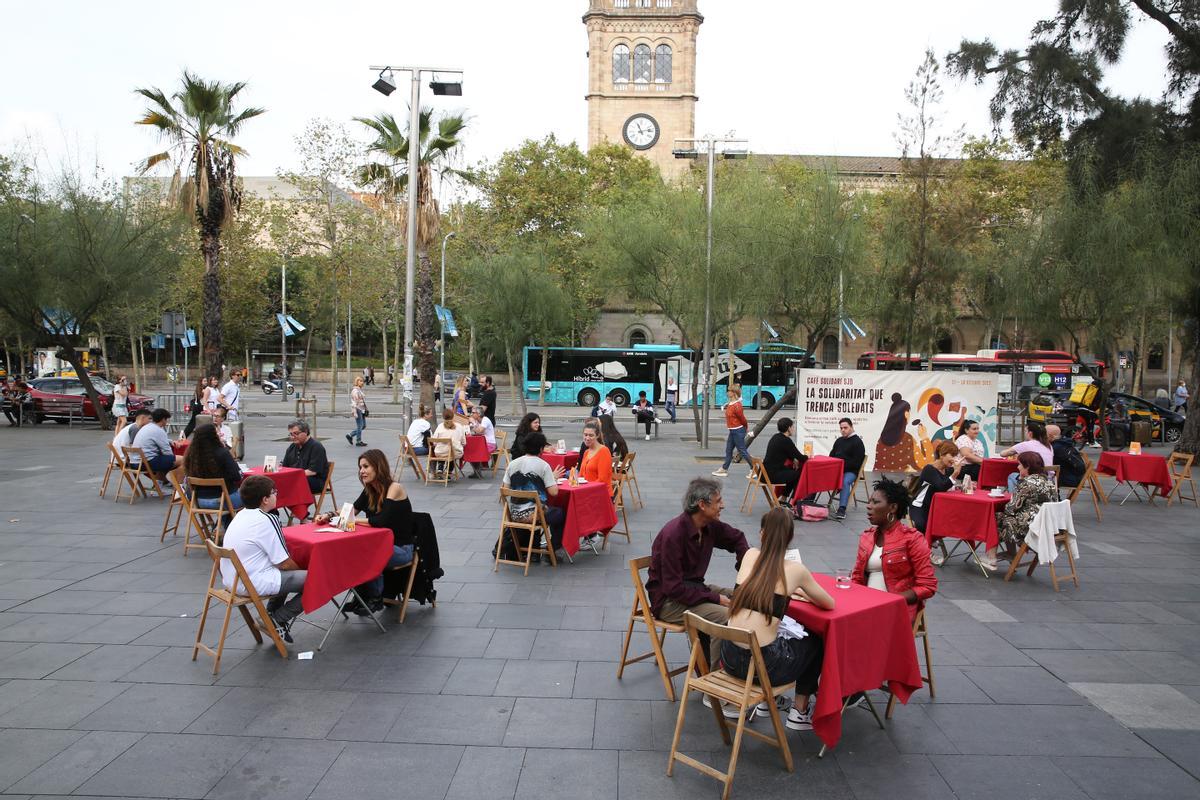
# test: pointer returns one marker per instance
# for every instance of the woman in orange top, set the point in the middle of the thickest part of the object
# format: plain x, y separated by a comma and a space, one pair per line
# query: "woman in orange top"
596, 464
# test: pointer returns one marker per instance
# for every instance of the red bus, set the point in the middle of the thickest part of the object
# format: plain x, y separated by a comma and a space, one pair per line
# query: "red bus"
1023, 368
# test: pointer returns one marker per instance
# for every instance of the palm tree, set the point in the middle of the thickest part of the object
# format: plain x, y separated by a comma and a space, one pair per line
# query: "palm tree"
389, 178
199, 123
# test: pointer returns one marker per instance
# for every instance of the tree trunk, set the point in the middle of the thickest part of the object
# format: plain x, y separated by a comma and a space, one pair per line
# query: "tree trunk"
696, 401
304, 374
21, 355
333, 354
472, 361
1139, 373
72, 357
137, 381
542, 387
788, 397
424, 335
512, 380
210, 246
386, 355
103, 351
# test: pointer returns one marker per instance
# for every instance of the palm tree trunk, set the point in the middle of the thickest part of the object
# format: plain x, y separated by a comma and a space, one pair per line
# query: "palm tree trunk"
423, 346
210, 246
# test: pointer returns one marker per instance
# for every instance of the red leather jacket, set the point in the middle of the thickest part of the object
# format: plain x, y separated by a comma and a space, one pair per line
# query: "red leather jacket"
906, 563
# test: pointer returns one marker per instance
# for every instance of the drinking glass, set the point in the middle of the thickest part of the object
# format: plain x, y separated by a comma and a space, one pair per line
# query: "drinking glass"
843, 579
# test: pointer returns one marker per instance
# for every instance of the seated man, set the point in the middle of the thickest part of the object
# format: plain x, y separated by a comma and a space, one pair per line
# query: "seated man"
152, 438
531, 473
125, 436
644, 413
680, 555
482, 426
850, 449
224, 433
308, 454
257, 537
1070, 464
783, 461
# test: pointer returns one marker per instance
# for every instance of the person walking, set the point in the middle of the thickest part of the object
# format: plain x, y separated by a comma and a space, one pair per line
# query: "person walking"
735, 424
120, 405
1181, 397
358, 404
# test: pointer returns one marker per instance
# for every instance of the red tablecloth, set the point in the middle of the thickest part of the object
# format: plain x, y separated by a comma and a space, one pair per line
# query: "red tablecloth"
1146, 468
995, 471
868, 640
565, 460
179, 446
589, 509
336, 561
820, 474
970, 517
475, 451
292, 485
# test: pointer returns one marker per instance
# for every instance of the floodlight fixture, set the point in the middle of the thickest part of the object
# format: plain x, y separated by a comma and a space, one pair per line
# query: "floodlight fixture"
685, 153
385, 84
447, 88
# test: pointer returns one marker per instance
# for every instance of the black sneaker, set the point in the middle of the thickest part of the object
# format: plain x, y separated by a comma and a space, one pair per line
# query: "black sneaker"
360, 444
841, 514
284, 629
349, 439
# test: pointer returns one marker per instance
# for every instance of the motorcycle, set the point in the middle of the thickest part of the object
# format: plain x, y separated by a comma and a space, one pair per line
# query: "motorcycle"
271, 385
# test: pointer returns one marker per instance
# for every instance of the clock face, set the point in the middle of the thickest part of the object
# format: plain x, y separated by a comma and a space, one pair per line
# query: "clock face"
641, 131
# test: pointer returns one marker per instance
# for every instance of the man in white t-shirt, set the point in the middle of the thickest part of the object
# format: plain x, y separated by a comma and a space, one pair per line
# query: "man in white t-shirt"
231, 394
125, 436
531, 473
256, 536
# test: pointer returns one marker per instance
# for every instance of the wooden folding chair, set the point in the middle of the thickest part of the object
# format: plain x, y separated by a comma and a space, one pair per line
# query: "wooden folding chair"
920, 631
1061, 540
407, 456
1181, 473
655, 628
448, 462
232, 599
719, 685
759, 481
534, 526
206, 522
178, 506
114, 464
860, 480
500, 452
1089, 482
133, 472
401, 603
326, 489
618, 500
629, 475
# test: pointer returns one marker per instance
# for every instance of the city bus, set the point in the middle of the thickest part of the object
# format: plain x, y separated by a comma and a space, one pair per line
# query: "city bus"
1021, 371
584, 375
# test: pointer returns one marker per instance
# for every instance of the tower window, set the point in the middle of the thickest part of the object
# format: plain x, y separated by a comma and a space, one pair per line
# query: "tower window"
638, 336
621, 63
829, 350
641, 63
662, 64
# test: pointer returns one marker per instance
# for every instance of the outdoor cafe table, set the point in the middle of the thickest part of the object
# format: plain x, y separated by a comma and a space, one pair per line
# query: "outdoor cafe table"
868, 642
968, 517
565, 460
179, 446
475, 451
820, 474
1145, 468
292, 487
994, 472
589, 509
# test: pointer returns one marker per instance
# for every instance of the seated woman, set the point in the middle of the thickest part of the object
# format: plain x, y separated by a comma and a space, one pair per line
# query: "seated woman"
935, 477
420, 430
765, 584
206, 457
1033, 489
449, 429
970, 447
595, 464
893, 557
783, 461
1036, 441
386, 505
529, 423
611, 438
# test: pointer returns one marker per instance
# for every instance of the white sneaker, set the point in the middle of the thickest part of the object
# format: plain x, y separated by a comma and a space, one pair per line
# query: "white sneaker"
647, 437
728, 709
782, 703
720, 473
799, 720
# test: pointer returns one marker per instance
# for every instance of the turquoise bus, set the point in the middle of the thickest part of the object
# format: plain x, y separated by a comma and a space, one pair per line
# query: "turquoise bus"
584, 375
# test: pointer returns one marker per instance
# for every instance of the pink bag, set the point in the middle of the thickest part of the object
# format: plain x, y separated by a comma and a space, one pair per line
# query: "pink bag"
813, 513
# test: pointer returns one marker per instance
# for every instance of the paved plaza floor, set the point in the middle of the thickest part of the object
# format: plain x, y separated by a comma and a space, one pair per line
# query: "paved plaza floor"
508, 688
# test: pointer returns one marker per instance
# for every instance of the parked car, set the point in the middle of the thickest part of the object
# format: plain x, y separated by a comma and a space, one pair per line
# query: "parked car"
1055, 407
48, 393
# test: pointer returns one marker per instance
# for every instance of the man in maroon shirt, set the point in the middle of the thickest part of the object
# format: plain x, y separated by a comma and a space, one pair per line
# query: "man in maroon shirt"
679, 559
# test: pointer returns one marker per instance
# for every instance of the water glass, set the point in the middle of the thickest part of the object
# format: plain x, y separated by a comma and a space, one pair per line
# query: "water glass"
843, 579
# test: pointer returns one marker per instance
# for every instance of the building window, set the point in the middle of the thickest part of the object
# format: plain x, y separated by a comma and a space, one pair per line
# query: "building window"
641, 63
662, 64
621, 63
664, 3
829, 350
637, 336
1047, 344
1154, 358
945, 344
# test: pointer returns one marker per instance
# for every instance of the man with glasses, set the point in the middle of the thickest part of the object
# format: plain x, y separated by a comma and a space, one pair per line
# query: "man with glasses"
256, 535
308, 454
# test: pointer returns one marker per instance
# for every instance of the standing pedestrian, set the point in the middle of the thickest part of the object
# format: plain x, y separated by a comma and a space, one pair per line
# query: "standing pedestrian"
391, 373
120, 405
358, 404
672, 394
735, 423
1181, 397
488, 399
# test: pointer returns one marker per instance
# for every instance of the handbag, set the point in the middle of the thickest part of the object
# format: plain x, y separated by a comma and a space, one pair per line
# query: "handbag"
813, 513
366, 411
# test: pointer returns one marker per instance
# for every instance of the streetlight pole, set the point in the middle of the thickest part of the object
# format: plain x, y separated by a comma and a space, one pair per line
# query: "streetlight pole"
710, 144
283, 333
414, 162
441, 387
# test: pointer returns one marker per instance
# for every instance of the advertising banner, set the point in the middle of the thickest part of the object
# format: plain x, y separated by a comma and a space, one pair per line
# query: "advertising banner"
900, 415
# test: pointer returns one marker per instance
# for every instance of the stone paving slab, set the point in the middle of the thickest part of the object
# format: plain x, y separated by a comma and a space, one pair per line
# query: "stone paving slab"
508, 688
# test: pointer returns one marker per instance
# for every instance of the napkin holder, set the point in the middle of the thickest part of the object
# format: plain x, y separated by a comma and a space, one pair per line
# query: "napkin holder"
561, 447
1135, 448
270, 463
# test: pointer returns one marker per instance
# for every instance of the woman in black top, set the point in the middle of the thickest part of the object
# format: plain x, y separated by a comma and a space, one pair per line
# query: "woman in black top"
206, 457
530, 422
780, 450
937, 476
386, 505
611, 438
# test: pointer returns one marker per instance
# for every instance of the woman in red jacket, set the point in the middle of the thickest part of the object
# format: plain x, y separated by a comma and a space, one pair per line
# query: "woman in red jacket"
893, 557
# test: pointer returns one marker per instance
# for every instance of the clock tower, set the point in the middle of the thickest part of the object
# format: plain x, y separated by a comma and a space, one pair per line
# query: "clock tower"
642, 76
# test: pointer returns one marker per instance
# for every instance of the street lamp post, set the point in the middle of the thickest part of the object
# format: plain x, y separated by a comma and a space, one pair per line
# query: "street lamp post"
283, 332
691, 149
441, 387
387, 86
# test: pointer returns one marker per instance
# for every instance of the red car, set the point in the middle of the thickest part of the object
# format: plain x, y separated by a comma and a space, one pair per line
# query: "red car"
52, 397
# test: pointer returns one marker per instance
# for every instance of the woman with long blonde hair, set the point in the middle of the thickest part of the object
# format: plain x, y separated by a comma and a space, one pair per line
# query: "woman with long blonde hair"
358, 404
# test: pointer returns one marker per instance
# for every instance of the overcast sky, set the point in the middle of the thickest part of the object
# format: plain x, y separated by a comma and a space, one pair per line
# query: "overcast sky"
791, 76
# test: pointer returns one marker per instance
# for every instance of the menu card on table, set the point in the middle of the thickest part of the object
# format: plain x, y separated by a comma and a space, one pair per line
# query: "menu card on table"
270, 463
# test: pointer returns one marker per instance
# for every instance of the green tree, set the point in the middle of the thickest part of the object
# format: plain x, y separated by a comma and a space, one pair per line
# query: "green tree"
199, 123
